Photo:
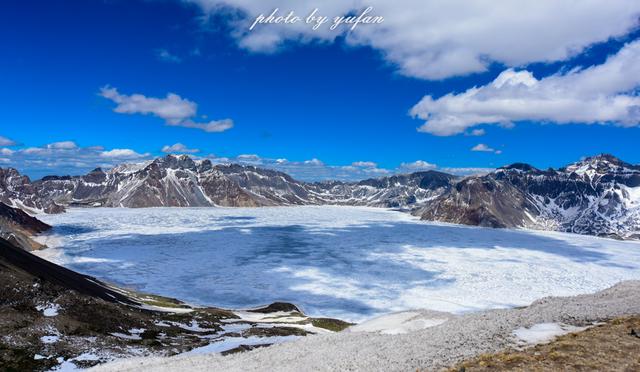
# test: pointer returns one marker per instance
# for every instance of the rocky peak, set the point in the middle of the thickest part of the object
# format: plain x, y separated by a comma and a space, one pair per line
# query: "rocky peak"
176, 162
601, 164
95, 176
204, 165
523, 167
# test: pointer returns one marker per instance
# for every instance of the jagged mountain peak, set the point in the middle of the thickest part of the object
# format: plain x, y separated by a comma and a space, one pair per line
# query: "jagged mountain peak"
171, 161
601, 164
524, 167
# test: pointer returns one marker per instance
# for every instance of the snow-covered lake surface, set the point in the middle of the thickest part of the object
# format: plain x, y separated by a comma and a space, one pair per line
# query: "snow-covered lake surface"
346, 262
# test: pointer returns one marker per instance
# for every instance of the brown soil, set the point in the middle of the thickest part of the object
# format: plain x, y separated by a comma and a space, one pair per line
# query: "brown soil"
613, 346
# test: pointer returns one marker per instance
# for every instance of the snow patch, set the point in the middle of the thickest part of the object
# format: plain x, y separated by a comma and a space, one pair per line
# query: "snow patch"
397, 323
544, 332
49, 310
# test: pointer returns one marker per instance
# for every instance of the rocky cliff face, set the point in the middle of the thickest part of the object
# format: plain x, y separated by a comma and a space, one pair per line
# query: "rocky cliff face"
172, 181
17, 190
405, 191
596, 196
179, 181
18, 227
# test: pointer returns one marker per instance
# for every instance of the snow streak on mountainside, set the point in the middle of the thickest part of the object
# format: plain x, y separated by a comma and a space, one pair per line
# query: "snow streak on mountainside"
596, 196
179, 181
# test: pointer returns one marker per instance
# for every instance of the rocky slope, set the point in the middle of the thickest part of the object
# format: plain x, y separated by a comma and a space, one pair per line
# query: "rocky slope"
18, 191
404, 191
18, 227
179, 181
599, 196
52, 316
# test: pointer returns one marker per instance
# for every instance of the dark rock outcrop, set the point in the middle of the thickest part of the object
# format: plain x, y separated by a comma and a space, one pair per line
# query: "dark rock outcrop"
18, 227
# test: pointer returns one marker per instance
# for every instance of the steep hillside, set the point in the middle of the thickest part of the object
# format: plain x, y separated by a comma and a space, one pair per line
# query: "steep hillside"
18, 227
599, 196
52, 316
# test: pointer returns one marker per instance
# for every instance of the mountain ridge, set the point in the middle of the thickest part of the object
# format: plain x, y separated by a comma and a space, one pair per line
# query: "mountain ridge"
598, 195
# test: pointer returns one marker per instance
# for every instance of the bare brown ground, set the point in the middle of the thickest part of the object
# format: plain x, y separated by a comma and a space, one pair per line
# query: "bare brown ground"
613, 346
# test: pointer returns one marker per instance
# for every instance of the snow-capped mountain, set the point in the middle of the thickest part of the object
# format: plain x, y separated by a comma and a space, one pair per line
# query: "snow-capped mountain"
179, 181
404, 191
599, 195
17, 191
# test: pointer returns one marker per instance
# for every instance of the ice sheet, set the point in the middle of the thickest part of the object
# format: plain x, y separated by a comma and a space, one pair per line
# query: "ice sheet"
347, 262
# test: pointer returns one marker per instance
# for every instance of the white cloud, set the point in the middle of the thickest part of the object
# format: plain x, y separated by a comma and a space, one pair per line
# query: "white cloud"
214, 126
58, 160
4, 141
249, 158
175, 110
318, 170
418, 165
466, 171
64, 145
67, 157
172, 108
122, 153
166, 56
481, 147
179, 148
601, 94
477, 132
34, 150
314, 161
364, 164
436, 39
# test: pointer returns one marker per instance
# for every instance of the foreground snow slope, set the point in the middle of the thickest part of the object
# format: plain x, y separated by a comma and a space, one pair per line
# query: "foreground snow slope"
351, 263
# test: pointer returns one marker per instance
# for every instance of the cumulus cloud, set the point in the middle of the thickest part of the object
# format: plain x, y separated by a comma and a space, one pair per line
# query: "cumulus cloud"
4, 141
317, 170
307, 170
601, 94
314, 161
481, 147
466, 171
418, 165
120, 154
179, 148
436, 39
175, 110
64, 145
66, 157
166, 56
364, 164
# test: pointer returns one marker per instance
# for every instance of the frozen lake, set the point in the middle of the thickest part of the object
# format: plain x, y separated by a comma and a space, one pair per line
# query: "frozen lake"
346, 262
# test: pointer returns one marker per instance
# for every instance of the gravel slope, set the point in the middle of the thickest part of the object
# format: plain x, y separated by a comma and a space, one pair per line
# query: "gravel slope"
433, 348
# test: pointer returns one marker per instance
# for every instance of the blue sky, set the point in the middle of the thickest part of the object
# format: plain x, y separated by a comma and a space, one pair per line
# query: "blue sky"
336, 97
